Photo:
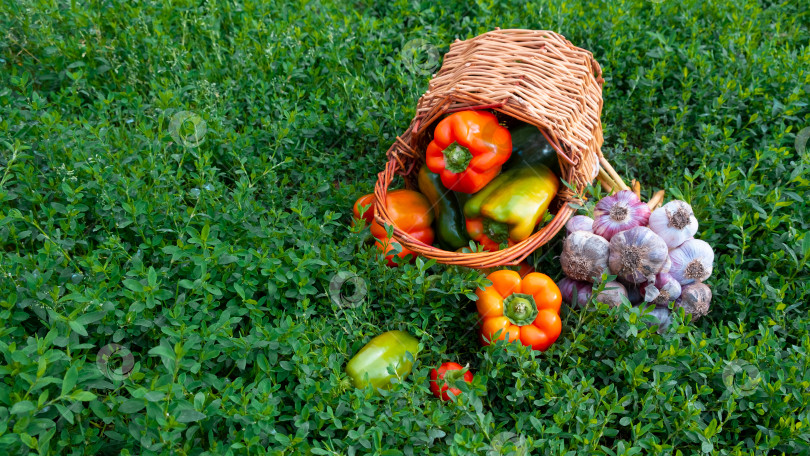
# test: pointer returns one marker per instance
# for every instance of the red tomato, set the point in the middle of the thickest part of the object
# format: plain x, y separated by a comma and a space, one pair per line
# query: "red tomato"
453, 371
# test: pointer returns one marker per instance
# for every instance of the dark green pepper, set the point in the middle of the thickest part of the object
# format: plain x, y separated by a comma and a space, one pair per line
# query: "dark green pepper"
530, 147
450, 229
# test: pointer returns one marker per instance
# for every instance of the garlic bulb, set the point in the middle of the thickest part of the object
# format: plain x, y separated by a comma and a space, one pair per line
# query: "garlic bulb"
579, 223
695, 299
636, 255
612, 294
584, 256
619, 212
667, 266
664, 318
583, 289
665, 290
692, 261
674, 222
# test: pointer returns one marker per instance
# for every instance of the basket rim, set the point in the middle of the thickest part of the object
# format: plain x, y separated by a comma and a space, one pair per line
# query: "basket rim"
509, 256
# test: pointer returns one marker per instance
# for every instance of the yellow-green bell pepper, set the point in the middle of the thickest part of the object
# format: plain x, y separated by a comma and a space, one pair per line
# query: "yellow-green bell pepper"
370, 365
509, 207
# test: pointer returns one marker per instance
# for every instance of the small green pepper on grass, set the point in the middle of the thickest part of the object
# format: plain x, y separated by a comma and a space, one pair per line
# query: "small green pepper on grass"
370, 365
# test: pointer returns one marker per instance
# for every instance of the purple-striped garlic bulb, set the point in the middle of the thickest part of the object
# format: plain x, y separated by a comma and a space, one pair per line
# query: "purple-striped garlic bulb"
619, 212
583, 291
637, 255
674, 222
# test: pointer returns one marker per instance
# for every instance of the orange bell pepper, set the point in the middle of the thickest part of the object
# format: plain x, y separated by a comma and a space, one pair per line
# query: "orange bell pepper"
525, 310
468, 149
409, 210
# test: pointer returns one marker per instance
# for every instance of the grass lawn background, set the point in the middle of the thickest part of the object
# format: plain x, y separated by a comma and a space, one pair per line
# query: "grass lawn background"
210, 262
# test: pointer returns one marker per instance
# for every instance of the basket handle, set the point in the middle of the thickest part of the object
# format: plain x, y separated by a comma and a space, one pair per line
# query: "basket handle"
609, 178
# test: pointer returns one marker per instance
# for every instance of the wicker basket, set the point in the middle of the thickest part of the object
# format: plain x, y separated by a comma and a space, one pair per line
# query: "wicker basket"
537, 77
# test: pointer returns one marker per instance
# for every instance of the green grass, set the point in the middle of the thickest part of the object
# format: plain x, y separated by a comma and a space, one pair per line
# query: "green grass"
211, 263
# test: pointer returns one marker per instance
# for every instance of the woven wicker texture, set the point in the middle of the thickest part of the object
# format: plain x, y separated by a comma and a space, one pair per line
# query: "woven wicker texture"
537, 77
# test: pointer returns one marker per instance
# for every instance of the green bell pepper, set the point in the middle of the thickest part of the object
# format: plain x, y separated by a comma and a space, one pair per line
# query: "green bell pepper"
450, 229
509, 207
530, 147
370, 365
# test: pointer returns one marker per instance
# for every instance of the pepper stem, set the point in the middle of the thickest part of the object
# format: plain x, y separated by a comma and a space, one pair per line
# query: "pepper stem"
457, 158
520, 309
497, 231
452, 377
